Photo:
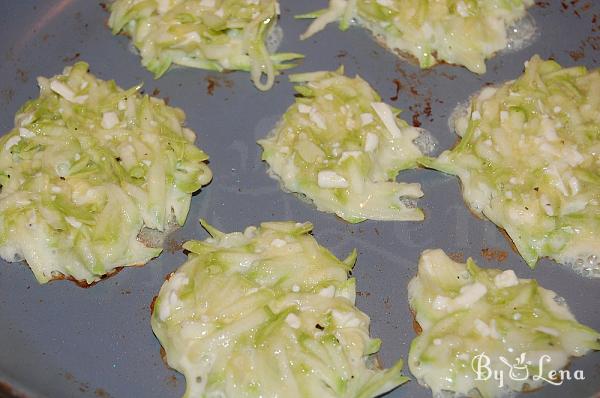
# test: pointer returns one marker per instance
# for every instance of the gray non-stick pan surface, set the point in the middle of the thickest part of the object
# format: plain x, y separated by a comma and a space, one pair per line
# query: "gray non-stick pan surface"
59, 340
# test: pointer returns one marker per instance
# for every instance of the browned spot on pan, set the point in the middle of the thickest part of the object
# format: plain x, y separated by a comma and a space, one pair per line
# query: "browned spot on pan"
398, 87
210, 85
387, 303
491, 254
72, 57
213, 82
173, 246
457, 256
415, 119
100, 392
576, 55
22, 75
172, 381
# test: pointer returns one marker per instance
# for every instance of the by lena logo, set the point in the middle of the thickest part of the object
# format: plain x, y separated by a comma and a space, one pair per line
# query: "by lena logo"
519, 370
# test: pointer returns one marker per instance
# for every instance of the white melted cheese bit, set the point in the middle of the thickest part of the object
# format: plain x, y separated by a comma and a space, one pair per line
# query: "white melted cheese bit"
178, 281
441, 303
349, 154
109, 120
293, 321
573, 156
303, 108
26, 133
371, 142
366, 119
279, 243
250, 232
163, 6
65, 91
463, 356
517, 316
172, 301
427, 30
487, 93
548, 331
24, 119
469, 295
548, 129
164, 310
505, 279
330, 179
486, 330
329, 292
574, 185
387, 117
62, 169
558, 181
317, 119
73, 222
12, 141
345, 319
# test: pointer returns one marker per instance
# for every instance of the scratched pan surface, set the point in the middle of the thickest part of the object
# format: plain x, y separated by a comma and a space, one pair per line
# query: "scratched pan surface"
61, 341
